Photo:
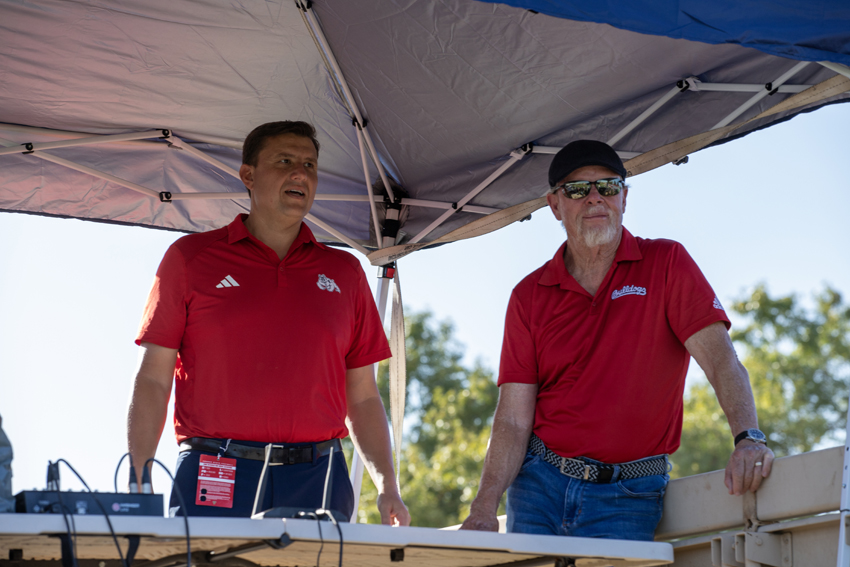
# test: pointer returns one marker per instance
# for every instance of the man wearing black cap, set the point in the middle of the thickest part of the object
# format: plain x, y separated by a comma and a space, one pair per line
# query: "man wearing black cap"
596, 349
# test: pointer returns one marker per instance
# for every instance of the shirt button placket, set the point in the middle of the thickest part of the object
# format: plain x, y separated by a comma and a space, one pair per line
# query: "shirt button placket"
281, 276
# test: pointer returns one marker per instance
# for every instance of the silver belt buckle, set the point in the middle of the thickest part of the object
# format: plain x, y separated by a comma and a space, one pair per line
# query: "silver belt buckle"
561, 465
586, 471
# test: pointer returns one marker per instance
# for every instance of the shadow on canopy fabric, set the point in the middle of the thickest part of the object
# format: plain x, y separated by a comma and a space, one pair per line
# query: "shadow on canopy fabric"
436, 96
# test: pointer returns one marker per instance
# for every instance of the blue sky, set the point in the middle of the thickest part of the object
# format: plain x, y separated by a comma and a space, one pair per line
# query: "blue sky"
771, 208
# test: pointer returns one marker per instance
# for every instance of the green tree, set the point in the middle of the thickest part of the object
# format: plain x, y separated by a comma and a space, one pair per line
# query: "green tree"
448, 415
798, 359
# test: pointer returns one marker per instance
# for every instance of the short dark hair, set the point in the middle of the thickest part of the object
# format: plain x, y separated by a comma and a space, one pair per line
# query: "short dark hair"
255, 141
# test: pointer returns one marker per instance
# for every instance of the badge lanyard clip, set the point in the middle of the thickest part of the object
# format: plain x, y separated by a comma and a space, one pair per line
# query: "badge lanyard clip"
225, 443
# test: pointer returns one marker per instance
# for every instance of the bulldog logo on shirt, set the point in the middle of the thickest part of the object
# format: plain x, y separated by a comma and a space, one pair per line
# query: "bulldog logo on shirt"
327, 284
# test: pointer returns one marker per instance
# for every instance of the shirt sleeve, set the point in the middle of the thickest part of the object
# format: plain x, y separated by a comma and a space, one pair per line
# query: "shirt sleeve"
518, 362
691, 304
164, 318
369, 342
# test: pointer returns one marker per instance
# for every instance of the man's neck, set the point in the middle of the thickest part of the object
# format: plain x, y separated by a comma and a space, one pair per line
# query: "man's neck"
277, 234
589, 264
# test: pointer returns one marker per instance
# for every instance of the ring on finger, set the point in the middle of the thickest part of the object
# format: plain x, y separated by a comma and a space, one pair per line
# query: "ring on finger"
758, 464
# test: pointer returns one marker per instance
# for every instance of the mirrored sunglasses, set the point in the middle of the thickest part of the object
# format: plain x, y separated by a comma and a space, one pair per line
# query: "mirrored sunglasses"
581, 189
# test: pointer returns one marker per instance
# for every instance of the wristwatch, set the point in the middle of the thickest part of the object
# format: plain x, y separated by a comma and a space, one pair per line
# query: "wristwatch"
752, 435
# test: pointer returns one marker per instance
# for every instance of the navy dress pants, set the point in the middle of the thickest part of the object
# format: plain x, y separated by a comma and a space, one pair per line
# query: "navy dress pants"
298, 486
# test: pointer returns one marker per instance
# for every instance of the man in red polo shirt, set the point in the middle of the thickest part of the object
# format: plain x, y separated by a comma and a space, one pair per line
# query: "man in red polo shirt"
270, 338
596, 349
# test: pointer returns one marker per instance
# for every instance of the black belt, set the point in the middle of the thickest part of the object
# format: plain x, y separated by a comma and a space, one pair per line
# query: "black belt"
281, 454
599, 473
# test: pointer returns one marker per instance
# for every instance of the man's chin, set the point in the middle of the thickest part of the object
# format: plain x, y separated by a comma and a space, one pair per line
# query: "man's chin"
599, 236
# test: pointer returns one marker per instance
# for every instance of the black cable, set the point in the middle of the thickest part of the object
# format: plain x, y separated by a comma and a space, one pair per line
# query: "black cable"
182, 507
315, 516
321, 539
73, 470
72, 533
103, 511
115, 480
339, 530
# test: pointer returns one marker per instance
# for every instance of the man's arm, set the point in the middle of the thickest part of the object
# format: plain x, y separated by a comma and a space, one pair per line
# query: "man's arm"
512, 426
149, 404
367, 422
713, 351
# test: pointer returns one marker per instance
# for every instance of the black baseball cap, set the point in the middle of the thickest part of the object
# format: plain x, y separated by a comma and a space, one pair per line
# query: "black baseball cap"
582, 153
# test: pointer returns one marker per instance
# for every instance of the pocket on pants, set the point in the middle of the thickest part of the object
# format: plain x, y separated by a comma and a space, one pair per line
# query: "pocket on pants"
530, 459
645, 487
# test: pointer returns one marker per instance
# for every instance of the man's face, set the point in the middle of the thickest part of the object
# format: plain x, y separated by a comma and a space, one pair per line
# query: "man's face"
283, 183
595, 219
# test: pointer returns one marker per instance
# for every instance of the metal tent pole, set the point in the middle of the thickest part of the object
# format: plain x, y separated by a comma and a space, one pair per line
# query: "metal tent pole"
334, 232
769, 89
385, 280
837, 67
183, 145
88, 170
681, 87
30, 147
516, 156
315, 28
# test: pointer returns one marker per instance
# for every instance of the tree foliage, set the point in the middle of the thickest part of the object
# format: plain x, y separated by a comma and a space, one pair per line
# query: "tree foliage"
448, 415
798, 359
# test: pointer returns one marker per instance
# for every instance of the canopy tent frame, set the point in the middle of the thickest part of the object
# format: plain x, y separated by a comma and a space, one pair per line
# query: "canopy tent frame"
381, 241
368, 152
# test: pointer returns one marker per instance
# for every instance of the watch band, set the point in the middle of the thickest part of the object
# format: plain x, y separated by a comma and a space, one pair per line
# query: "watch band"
747, 435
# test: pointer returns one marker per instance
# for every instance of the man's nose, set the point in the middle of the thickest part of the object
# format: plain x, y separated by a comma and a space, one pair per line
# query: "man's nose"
594, 194
299, 169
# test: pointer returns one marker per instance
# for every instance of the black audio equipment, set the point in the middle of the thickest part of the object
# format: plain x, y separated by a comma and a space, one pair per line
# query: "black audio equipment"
83, 503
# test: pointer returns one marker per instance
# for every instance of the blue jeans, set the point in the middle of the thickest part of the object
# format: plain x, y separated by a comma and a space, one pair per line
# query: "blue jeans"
300, 486
541, 500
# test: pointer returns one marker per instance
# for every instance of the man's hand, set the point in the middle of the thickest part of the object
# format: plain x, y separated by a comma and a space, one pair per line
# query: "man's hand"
393, 511
713, 350
481, 521
749, 464
367, 424
149, 404
512, 424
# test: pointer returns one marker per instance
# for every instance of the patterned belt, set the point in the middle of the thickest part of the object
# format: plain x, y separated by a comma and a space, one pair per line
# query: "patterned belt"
599, 473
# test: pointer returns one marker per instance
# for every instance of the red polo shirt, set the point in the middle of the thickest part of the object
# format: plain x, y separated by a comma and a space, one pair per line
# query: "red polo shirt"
264, 344
610, 369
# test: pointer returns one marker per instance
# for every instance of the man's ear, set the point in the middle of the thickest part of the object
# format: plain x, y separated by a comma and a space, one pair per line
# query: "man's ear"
552, 199
246, 174
625, 194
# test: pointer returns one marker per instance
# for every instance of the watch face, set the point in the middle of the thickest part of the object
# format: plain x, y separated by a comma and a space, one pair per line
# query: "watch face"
756, 435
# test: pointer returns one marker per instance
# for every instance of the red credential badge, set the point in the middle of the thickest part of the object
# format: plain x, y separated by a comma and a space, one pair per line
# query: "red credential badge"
216, 481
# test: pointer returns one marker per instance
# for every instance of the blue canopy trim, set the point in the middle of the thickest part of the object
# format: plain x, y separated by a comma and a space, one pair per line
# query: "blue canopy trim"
818, 30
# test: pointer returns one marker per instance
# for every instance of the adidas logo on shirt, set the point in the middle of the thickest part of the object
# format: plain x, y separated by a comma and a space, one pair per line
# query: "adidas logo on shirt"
228, 282
717, 304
